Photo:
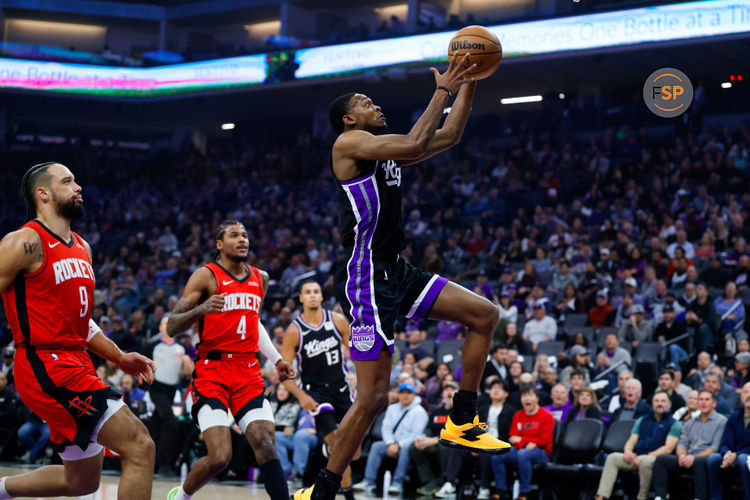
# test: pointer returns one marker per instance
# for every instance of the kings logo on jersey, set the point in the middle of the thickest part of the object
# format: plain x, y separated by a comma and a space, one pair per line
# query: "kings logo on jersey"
363, 337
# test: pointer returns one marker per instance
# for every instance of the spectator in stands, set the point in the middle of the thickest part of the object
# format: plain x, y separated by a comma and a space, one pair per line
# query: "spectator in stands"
508, 310
654, 434
432, 387
734, 449
585, 405
741, 372
690, 409
6, 367
613, 354
680, 388
548, 380
34, 435
9, 413
602, 314
561, 404
725, 389
569, 303
697, 376
138, 400
714, 276
403, 423
531, 435
561, 279
617, 396
637, 328
577, 366
515, 342
541, 328
666, 383
123, 337
701, 316
713, 385
633, 406
286, 412
700, 438
730, 309
303, 441
669, 329
425, 452
623, 311
496, 364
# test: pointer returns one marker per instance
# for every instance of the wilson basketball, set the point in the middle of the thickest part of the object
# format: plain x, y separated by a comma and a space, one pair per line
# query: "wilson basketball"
484, 47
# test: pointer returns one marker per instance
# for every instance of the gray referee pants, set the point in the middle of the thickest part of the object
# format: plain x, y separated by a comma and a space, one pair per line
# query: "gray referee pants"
615, 463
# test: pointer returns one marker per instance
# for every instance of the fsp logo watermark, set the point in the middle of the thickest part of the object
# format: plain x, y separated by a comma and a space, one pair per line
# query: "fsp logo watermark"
668, 92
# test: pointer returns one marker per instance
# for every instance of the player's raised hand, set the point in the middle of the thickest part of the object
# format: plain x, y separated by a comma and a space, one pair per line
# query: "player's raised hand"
284, 370
453, 77
214, 304
138, 366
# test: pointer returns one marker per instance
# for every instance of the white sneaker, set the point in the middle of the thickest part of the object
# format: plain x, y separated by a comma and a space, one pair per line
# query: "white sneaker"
447, 490
396, 489
363, 486
484, 494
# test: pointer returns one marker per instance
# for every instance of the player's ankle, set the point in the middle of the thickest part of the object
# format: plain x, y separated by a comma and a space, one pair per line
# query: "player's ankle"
464, 407
327, 485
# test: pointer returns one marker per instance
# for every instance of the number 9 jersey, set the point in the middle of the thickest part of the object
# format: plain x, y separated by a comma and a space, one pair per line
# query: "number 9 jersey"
235, 328
51, 307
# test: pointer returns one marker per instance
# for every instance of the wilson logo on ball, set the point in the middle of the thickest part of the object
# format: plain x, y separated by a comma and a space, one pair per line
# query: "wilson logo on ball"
466, 45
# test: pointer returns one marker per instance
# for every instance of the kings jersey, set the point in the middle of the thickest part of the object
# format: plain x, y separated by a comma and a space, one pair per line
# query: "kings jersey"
51, 307
235, 328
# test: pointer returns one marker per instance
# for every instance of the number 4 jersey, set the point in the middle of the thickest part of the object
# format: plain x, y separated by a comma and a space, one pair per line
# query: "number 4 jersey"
235, 328
50, 307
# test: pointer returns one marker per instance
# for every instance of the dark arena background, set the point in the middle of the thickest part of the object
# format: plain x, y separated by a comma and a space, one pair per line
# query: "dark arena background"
614, 242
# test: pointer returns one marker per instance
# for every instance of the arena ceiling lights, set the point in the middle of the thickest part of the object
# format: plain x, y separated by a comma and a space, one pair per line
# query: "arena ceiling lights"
661, 23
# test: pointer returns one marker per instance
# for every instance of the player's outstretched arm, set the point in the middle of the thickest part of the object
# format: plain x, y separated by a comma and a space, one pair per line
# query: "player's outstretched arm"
201, 284
131, 363
20, 250
452, 130
362, 145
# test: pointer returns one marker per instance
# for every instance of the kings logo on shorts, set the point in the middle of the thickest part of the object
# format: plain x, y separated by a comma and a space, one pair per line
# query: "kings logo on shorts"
363, 337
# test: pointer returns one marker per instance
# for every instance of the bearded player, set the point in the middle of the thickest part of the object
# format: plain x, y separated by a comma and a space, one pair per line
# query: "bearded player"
47, 284
317, 338
225, 297
375, 286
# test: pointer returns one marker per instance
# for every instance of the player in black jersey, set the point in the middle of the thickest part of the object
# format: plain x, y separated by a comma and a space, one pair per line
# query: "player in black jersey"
375, 286
317, 339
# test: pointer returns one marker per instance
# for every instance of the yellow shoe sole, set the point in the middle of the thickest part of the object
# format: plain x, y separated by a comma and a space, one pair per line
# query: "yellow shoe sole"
450, 442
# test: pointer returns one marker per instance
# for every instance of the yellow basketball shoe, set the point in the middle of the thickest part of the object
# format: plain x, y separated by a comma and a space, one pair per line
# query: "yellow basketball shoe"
472, 437
304, 493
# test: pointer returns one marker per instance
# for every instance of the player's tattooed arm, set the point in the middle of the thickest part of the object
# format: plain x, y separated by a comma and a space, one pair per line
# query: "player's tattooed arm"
187, 311
21, 251
264, 279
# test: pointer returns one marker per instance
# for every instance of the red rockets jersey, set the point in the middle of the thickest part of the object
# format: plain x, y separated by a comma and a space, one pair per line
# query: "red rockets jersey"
235, 328
50, 308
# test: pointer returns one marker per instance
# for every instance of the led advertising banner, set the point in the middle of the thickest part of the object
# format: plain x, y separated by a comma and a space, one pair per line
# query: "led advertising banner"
609, 29
591, 31
141, 82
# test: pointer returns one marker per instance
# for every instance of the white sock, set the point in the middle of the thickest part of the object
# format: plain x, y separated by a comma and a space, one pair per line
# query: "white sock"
3, 492
181, 495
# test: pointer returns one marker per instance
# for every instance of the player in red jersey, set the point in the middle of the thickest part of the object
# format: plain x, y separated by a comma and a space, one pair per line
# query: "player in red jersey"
47, 284
225, 297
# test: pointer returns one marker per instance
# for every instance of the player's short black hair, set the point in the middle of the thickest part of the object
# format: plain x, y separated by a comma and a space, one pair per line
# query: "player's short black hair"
305, 282
338, 108
219, 235
31, 180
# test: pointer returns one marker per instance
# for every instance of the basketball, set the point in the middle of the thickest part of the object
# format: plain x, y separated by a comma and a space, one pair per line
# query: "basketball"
484, 47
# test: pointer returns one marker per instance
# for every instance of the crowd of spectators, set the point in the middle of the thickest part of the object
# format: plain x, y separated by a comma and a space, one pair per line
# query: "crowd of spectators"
618, 263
